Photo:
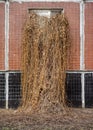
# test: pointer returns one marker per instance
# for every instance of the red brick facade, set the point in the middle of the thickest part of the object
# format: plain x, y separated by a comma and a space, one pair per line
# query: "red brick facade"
89, 36
17, 16
2, 35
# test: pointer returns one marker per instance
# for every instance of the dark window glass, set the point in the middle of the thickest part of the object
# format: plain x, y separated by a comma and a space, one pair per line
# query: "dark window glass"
2, 90
89, 90
73, 89
14, 90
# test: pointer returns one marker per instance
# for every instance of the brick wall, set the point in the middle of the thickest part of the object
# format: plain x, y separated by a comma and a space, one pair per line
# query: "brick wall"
89, 36
18, 14
16, 19
2, 35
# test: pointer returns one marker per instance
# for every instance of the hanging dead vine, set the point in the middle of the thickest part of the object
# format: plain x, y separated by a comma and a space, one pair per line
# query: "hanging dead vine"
45, 58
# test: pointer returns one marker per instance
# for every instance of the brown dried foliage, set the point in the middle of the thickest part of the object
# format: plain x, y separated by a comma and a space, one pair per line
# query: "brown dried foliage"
45, 58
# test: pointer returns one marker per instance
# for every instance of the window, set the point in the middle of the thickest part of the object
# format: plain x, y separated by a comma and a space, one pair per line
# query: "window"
46, 12
14, 89
2, 90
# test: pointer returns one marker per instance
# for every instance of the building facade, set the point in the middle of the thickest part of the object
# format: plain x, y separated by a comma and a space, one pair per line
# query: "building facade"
79, 78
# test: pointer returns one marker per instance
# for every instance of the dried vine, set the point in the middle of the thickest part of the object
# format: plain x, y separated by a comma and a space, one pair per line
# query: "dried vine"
45, 58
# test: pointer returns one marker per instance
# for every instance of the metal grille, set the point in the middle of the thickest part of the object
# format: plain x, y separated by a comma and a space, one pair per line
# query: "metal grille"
89, 90
73, 89
14, 89
2, 90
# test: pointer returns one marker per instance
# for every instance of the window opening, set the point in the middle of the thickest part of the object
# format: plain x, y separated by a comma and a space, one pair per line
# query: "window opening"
73, 89
14, 89
2, 90
89, 90
46, 12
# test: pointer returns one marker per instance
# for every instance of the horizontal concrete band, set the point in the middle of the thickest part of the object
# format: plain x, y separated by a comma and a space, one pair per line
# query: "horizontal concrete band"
77, 1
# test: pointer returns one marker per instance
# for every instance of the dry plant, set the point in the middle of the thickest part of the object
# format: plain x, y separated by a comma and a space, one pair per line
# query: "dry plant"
45, 58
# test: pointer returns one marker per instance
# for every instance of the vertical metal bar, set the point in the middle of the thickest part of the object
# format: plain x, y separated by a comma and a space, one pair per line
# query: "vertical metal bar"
6, 48
7, 89
82, 60
83, 90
